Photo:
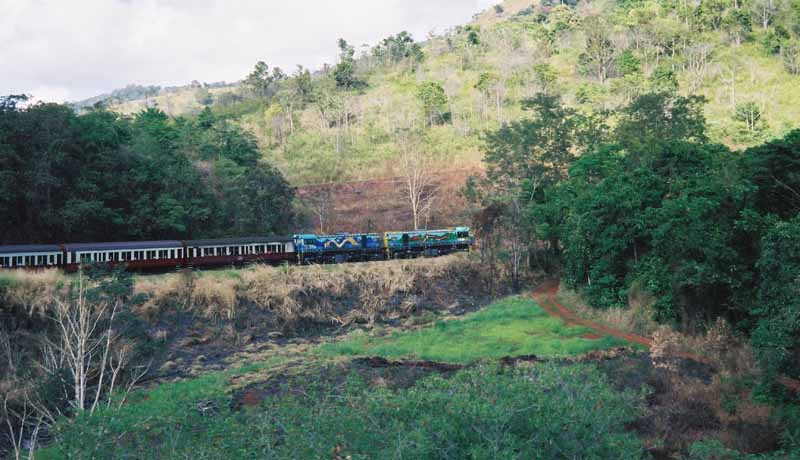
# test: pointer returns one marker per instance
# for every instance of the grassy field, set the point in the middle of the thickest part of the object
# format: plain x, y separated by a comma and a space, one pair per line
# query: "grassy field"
317, 402
484, 412
514, 326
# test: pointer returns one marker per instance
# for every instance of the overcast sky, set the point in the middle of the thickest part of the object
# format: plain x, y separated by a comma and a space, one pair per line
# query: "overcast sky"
66, 50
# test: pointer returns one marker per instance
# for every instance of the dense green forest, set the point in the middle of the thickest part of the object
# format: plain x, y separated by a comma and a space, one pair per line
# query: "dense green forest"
101, 176
652, 206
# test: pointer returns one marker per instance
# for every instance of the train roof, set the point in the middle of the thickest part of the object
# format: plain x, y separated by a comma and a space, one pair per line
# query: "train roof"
235, 241
333, 235
422, 230
124, 245
28, 248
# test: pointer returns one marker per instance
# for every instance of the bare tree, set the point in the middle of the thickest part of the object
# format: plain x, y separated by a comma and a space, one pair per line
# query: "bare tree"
88, 346
418, 178
29, 421
698, 58
320, 202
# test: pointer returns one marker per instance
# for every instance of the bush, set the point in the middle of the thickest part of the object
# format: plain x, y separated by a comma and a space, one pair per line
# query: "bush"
542, 411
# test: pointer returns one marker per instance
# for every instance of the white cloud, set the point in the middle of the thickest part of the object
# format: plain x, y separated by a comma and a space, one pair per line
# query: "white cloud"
67, 50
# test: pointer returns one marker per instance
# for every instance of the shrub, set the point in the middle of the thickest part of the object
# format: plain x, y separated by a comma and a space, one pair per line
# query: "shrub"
541, 411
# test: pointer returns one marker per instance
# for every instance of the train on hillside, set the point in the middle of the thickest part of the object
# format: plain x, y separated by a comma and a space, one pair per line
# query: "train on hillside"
301, 249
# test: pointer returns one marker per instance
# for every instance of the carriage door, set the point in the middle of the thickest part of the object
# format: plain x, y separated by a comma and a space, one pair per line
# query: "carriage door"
406, 239
364, 241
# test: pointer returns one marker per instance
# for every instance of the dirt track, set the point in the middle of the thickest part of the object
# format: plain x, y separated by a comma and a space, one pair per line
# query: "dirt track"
545, 296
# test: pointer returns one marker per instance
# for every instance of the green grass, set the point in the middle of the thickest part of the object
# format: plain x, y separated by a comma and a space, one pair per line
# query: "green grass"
513, 326
154, 413
485, 412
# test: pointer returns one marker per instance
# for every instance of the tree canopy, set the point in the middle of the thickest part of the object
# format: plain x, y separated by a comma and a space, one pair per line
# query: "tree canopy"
101, 176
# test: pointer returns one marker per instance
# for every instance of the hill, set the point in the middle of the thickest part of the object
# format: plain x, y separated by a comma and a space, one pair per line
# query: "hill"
358, 120
596, 55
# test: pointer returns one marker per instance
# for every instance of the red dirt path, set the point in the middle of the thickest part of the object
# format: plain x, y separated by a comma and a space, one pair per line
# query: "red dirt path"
545, 296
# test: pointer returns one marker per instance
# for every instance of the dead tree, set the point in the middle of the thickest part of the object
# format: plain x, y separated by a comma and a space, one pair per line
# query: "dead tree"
88, 346
320, 202
29, 423
418, 177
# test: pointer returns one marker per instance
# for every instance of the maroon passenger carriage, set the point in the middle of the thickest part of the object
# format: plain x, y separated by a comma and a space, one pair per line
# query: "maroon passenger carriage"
136, 255
234, 251
148, 255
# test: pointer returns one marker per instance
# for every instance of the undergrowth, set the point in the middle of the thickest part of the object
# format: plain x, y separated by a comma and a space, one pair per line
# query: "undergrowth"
540, 411
510, 327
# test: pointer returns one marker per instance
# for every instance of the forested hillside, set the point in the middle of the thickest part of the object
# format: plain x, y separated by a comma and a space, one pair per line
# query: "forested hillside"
355, 118
416, 109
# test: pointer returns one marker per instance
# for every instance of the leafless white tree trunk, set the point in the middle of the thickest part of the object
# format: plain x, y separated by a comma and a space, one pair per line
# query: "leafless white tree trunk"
320, 202
418, 176
87, 343
28, 421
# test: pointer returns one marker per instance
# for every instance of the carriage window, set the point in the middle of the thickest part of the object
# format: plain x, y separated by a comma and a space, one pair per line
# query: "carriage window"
2, 261
463, 234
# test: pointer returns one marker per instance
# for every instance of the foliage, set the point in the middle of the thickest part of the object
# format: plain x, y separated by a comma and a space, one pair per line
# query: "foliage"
511, 327
261, 82
398, 48
482, 413
704, 232
81, 178
344, 74
776, 339
434, 102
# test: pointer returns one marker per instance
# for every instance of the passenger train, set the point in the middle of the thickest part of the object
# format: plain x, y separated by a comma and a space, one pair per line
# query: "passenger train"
301, 248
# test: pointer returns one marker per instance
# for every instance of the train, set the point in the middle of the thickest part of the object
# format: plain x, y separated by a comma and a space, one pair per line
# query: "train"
305, 248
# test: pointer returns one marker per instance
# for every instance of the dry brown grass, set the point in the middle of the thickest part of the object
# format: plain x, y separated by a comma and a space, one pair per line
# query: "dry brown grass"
637, 317
162, 293
33, 291
723, 409
324, 294
215, 298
